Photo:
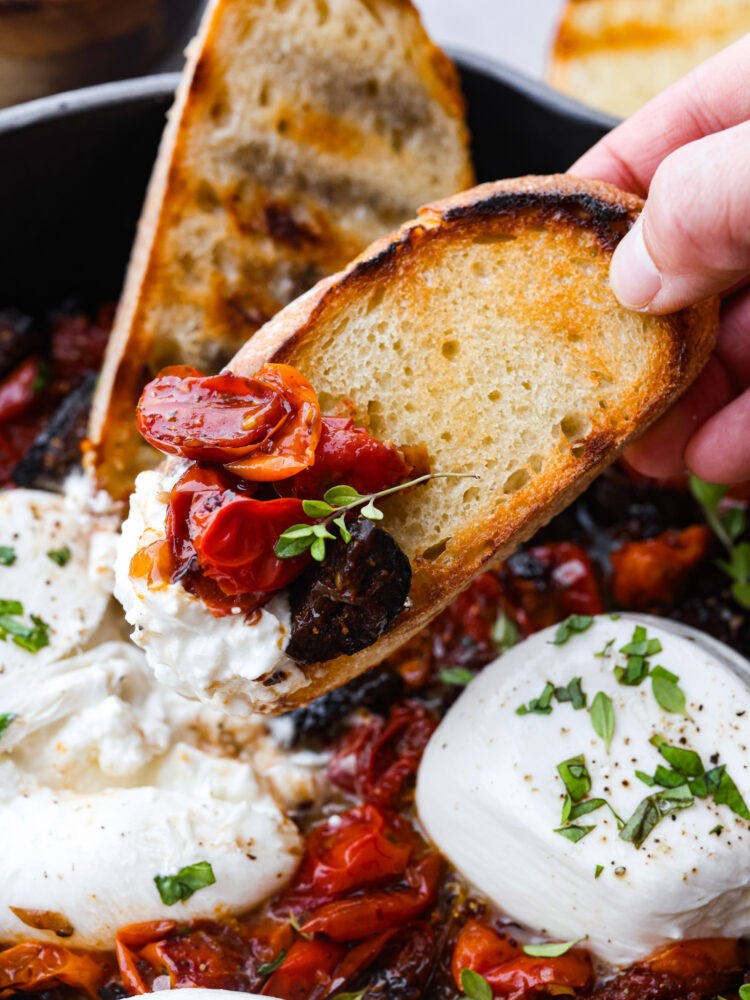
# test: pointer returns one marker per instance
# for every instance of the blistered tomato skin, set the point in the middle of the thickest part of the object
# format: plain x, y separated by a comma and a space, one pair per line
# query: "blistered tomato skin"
217, 418
292, 448
348, 454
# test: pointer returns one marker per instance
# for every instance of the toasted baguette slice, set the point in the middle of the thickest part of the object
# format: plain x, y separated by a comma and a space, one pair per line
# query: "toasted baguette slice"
487, 330
302, 131
617, 54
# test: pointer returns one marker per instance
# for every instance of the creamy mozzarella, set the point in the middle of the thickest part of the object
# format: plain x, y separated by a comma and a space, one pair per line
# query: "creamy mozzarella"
71, 599
490, 797
224, 662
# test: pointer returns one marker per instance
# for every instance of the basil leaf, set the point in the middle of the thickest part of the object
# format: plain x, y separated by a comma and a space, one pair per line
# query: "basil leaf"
191, 878
572, 693
717, 830
566, 809
268, 967
575, 777
664, 674
574, 833
645, 778
32, 637
317, 508
607, 647
551, 950
573, 624
475, 986
634, 673
603, 718
669, 779
598, 870
5, 720
669, 695
708, 783
59, 556
7, 555
541, 705
11, 608
582, 808
459, 676
342, 496
653, 809
340, 523
640, 644
686, 762
728, 794
504, 633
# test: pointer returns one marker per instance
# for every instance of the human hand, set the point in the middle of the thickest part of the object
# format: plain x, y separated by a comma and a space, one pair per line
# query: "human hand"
688, 152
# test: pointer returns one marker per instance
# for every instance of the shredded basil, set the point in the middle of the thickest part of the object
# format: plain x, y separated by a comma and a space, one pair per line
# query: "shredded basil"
574, 833
7, 555
598, 870
653, 809
5, 720
191, 878
504, 633
59, 556
573, 693
576, 777
475, 987
645, 778
268, 967
458, 676
607, 646
541, 705
572, 625
552, 950
603, 718
637, 651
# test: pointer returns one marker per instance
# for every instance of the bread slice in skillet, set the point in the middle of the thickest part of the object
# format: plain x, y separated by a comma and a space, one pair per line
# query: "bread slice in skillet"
487, 331
302, 131
617, 56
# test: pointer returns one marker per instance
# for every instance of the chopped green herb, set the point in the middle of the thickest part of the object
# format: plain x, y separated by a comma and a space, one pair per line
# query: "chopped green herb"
541, 705
333, 508
572, 625
653, 809
717, 829
475, 987
191, 878
607, 647
728, 794
268, 967
637, 651
552, 950
587, 806
598, 870
7, 555
574, 833
504, 633
8, 607
640, 644
59, 556
745, 991
573, 693
645, 778
668, 778
458, 676
5, 720
667, 691
294, 923
603, 718
575, 776
29, 637
685, 762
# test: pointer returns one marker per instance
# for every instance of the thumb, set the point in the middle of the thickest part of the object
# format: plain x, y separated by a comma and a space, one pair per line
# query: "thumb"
693, 237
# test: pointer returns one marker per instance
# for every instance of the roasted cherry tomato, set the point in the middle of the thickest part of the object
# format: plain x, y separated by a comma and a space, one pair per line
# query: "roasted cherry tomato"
292, 448
376, 759
348, 454
356, 850
375, 912
217, 418
19, 390
307, 972
36, 966
511, 973
234, 538
129, 941
208, 955
655, 570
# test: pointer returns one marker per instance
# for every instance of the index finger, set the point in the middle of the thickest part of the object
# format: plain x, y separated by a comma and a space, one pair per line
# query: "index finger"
709, 99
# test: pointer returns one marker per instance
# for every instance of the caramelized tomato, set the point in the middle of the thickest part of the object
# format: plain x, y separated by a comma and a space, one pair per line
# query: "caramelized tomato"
348, 454
217, 418
36, 966
654, 571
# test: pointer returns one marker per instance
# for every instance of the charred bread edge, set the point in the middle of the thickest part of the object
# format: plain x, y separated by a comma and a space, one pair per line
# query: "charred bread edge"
561, 200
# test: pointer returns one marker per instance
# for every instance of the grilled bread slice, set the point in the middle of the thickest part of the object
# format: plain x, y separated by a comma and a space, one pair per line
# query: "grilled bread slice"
617, 54
302, 131
486, 330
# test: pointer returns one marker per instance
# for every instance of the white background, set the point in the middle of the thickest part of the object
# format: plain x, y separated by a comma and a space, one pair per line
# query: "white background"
518, 32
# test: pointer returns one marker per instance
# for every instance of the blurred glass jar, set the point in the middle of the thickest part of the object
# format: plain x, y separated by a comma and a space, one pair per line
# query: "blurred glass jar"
52, 45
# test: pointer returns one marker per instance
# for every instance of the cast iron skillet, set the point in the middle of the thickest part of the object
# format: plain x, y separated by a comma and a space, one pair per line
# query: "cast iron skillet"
73, 170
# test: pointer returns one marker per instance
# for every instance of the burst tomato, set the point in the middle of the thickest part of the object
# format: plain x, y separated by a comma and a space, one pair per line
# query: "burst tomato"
19, 390
36, 966
655, 570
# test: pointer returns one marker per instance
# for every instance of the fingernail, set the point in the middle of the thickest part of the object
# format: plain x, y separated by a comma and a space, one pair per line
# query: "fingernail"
632, 274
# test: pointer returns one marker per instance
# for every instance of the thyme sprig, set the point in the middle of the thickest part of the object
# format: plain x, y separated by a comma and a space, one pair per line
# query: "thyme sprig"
728, 526
332, 510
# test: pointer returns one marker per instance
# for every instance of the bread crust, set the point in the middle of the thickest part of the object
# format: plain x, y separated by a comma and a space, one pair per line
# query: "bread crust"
254, 197
565, 204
